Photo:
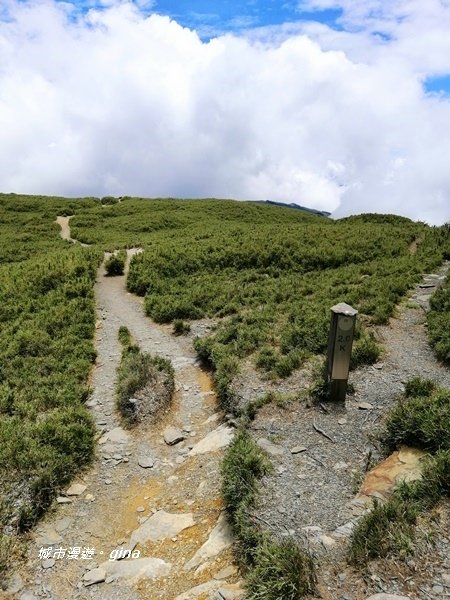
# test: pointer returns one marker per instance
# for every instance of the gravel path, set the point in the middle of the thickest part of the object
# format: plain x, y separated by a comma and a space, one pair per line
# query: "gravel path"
143, 494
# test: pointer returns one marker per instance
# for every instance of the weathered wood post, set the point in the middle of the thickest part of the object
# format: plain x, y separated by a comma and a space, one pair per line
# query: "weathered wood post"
342, 329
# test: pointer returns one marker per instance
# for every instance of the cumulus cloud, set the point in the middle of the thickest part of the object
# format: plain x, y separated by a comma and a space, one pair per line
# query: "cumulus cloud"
112, 101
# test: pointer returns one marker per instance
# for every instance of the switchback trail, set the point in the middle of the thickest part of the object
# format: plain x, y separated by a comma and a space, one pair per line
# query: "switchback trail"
140, 493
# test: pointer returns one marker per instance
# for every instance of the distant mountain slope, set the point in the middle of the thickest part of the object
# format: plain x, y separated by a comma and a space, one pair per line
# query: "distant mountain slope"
312, 211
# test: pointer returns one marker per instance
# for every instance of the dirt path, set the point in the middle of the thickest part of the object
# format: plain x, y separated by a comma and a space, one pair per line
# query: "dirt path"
142, 494
311, 494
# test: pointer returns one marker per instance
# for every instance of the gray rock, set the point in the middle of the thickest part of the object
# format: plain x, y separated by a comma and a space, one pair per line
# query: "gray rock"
219, 540
298, 449
160, 526
117, 435
383, 596
173, 436
94, 576
146, 462
49, 563
63, 524
15, 584
48, 537
438, 589
269, 447
63, 500
132, 570
345, 530
226, 573
76, 489
27, 595
364, 405
215, 440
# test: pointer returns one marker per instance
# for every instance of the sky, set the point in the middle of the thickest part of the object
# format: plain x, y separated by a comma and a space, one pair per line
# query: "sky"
339, 105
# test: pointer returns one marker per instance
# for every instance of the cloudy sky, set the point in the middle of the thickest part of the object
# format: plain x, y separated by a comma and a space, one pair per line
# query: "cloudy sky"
341, 105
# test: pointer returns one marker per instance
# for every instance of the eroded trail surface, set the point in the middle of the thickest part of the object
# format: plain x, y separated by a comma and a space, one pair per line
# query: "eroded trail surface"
142, 492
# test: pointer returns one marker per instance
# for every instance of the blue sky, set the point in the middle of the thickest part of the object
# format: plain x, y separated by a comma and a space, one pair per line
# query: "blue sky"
236, 15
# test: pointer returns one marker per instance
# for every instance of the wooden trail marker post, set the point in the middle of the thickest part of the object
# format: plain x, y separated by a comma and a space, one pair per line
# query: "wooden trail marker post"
340, 341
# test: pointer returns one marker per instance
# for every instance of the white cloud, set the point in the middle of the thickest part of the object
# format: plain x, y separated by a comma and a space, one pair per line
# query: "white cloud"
114, 102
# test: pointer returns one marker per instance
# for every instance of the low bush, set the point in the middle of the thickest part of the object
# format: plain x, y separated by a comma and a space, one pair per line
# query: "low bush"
115, 264
180, 327
145, 383
365, 351
438, 320
422, 421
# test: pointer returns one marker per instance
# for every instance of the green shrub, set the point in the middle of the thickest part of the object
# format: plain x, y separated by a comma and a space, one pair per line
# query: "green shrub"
180, 327
422, 421
418, 387
124, 337
365, 350
136, 371
115, 264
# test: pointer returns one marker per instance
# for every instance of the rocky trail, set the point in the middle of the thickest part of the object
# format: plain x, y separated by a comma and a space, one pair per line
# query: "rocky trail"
152, 496
324, 457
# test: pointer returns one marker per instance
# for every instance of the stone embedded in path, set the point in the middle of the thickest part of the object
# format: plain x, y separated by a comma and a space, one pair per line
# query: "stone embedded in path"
49, 563
117, 435
345, 530
133, 569
48, 537
404, 464
63, 500
173, 436
94, 576
219, 540
146, 462
298, 449
230, 591
387, 597
160, 526
225, 573
269, 447
76, 489
216, 439
364, 405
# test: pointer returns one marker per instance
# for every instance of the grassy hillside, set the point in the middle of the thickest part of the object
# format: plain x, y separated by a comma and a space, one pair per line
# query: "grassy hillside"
273, 273
268, 275
47, 322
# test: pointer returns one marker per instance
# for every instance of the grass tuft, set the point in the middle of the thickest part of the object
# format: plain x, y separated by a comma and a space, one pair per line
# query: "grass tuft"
277, 570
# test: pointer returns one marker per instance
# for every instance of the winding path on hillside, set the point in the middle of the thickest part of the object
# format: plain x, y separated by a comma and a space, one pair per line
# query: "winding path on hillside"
141, 493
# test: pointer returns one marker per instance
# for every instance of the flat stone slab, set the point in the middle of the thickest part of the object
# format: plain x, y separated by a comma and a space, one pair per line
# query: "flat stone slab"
48, 537
387, 597
133, 569
76, 489
298, 449
219, 540
221, 591
117, 435
160, 526
215, 440
403, 465
146, 462
269, 447
173, 436
94, 576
